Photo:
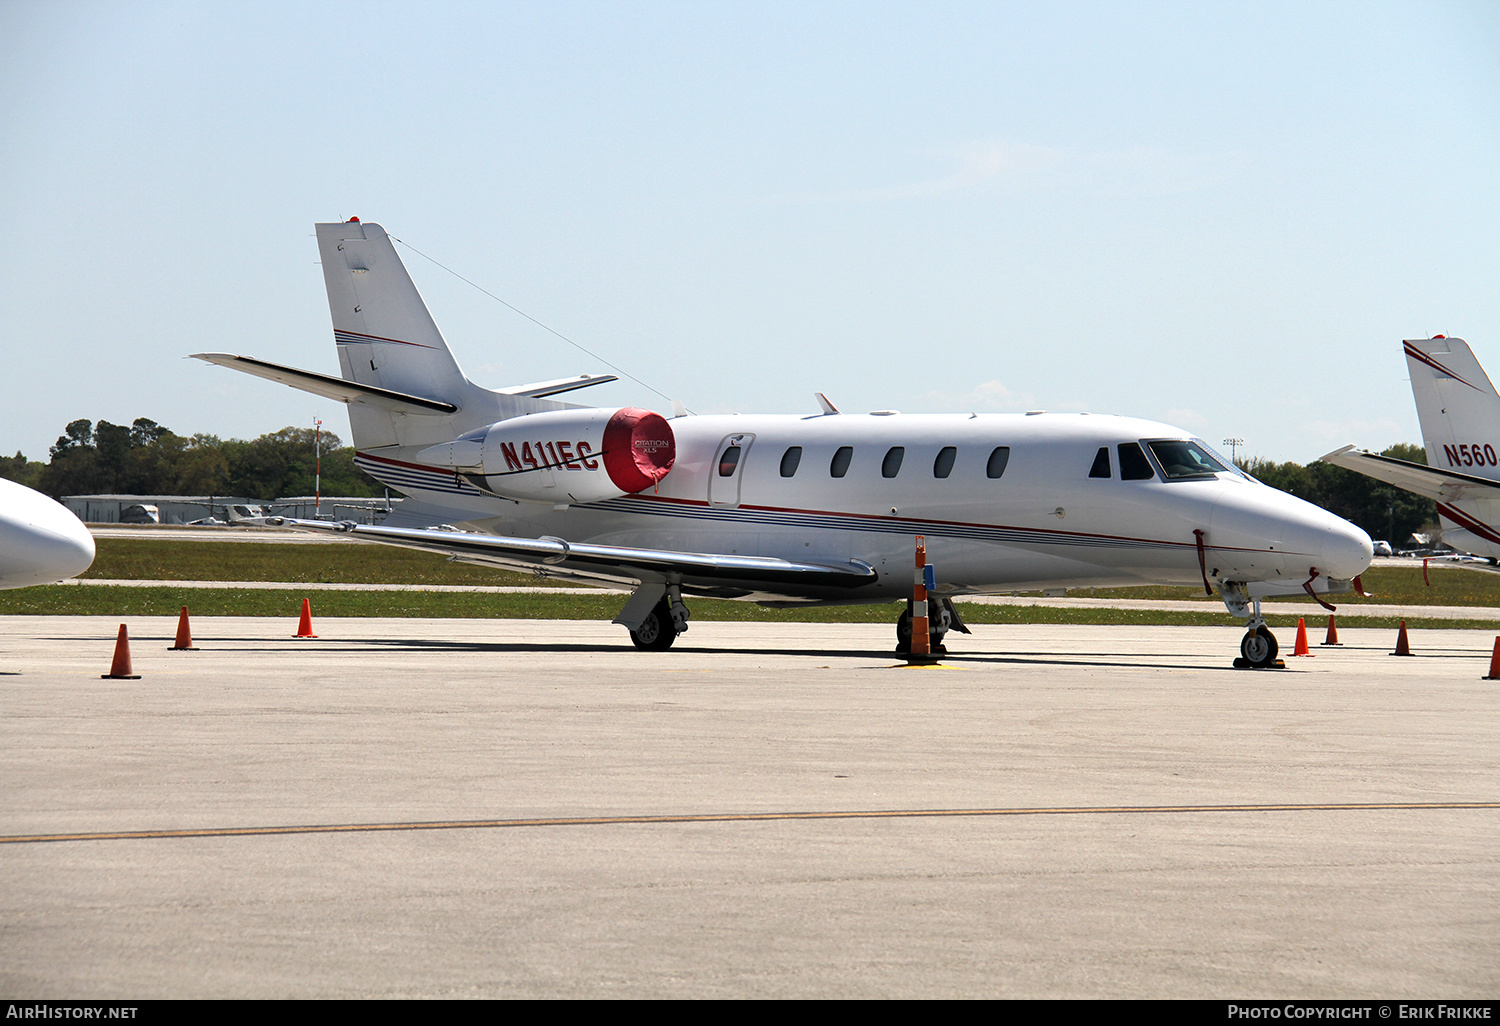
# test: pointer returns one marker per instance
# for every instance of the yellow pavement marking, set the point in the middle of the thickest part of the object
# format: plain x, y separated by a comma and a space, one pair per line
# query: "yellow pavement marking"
736, 817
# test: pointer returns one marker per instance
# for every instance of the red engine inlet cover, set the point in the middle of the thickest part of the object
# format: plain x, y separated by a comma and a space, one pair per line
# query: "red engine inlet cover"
639, 449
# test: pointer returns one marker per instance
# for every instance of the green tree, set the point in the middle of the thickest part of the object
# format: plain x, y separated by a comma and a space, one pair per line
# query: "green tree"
19, 469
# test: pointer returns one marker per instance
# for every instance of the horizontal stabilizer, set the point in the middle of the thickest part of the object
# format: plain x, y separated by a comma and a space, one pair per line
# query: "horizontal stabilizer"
615, 561
329, 386
542, 389
1441, 485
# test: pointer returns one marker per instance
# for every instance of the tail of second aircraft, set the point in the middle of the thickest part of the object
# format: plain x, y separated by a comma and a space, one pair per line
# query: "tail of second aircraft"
1457, 405
386, 337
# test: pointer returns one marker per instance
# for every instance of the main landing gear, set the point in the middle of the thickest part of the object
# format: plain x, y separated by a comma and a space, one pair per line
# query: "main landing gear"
657, 631
941, 618
655, 615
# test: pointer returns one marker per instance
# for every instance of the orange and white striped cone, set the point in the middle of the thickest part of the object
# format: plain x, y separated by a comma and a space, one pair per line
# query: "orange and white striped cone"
119, 669
921, 638
304, 625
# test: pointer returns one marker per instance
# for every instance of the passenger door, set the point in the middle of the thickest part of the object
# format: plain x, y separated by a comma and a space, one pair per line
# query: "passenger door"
728, 469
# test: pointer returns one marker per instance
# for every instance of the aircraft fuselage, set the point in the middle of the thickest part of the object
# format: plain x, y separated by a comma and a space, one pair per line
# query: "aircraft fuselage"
1005, 501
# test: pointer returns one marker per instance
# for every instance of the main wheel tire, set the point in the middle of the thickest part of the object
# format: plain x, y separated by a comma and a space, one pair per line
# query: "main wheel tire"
657, 632
903, 637
1259, 647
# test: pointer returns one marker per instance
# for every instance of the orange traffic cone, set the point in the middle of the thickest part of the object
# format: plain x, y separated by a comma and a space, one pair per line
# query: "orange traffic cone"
1494, 673
1300, 648
1403, 646
1333, 633
184, 642
304, 626
120, 668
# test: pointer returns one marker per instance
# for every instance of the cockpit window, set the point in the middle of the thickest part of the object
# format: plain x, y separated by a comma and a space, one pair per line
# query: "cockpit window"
1101, 463
1133, 463
1183, 460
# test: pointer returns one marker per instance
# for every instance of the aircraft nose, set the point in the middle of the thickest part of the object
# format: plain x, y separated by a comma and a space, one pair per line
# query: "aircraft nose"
1343, 550
57, 555
73, 551
40, 553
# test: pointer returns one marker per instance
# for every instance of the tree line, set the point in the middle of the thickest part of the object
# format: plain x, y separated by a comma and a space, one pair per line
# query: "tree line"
148, 459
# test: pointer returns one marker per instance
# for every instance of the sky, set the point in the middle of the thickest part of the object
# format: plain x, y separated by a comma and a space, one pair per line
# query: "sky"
1225, 216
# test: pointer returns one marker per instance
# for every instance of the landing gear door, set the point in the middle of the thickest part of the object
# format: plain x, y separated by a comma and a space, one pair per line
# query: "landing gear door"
727, 470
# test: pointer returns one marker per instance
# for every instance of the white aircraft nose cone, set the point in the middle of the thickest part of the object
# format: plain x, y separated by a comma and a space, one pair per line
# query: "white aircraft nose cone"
40, 541
1347, 552
1340, 549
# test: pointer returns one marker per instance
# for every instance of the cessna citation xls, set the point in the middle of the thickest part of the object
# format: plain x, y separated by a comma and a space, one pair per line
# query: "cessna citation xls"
788, 510
1459, 411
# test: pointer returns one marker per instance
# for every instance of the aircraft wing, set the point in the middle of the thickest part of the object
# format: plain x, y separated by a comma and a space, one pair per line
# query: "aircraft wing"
1442, 485
329, 386
613, 562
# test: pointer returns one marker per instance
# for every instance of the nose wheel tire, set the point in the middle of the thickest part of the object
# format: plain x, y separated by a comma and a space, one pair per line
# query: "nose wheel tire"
657, 632
1259, 647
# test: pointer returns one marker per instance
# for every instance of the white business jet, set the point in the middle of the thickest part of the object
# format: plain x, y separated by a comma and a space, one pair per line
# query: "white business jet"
787, 510
1459, 411
41, 541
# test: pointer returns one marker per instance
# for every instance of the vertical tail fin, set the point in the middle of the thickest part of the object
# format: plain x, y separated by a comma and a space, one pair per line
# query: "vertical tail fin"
1457, 406
385, 335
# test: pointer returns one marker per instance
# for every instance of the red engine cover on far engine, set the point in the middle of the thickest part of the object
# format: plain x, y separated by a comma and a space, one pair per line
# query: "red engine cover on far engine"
638, 449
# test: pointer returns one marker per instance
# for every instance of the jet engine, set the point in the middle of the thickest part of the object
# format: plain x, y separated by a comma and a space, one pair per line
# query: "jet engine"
564, 455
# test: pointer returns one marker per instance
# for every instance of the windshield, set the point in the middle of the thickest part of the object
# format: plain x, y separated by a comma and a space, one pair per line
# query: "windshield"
1184, 460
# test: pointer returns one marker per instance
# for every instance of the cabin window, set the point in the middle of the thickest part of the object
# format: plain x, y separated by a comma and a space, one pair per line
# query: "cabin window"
1101, 463
1185, 460
943, 465
790, 459
998, 459
729, 461
840, 465
1133, 463
891, 465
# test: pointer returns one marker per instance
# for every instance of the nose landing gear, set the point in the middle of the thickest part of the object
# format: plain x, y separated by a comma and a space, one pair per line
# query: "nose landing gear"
1258, 648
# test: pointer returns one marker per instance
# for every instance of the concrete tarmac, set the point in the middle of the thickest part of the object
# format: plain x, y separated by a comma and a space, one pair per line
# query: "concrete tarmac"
474, 808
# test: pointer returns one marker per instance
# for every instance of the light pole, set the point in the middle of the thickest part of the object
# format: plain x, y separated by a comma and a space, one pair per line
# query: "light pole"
317, 467
1234, 446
